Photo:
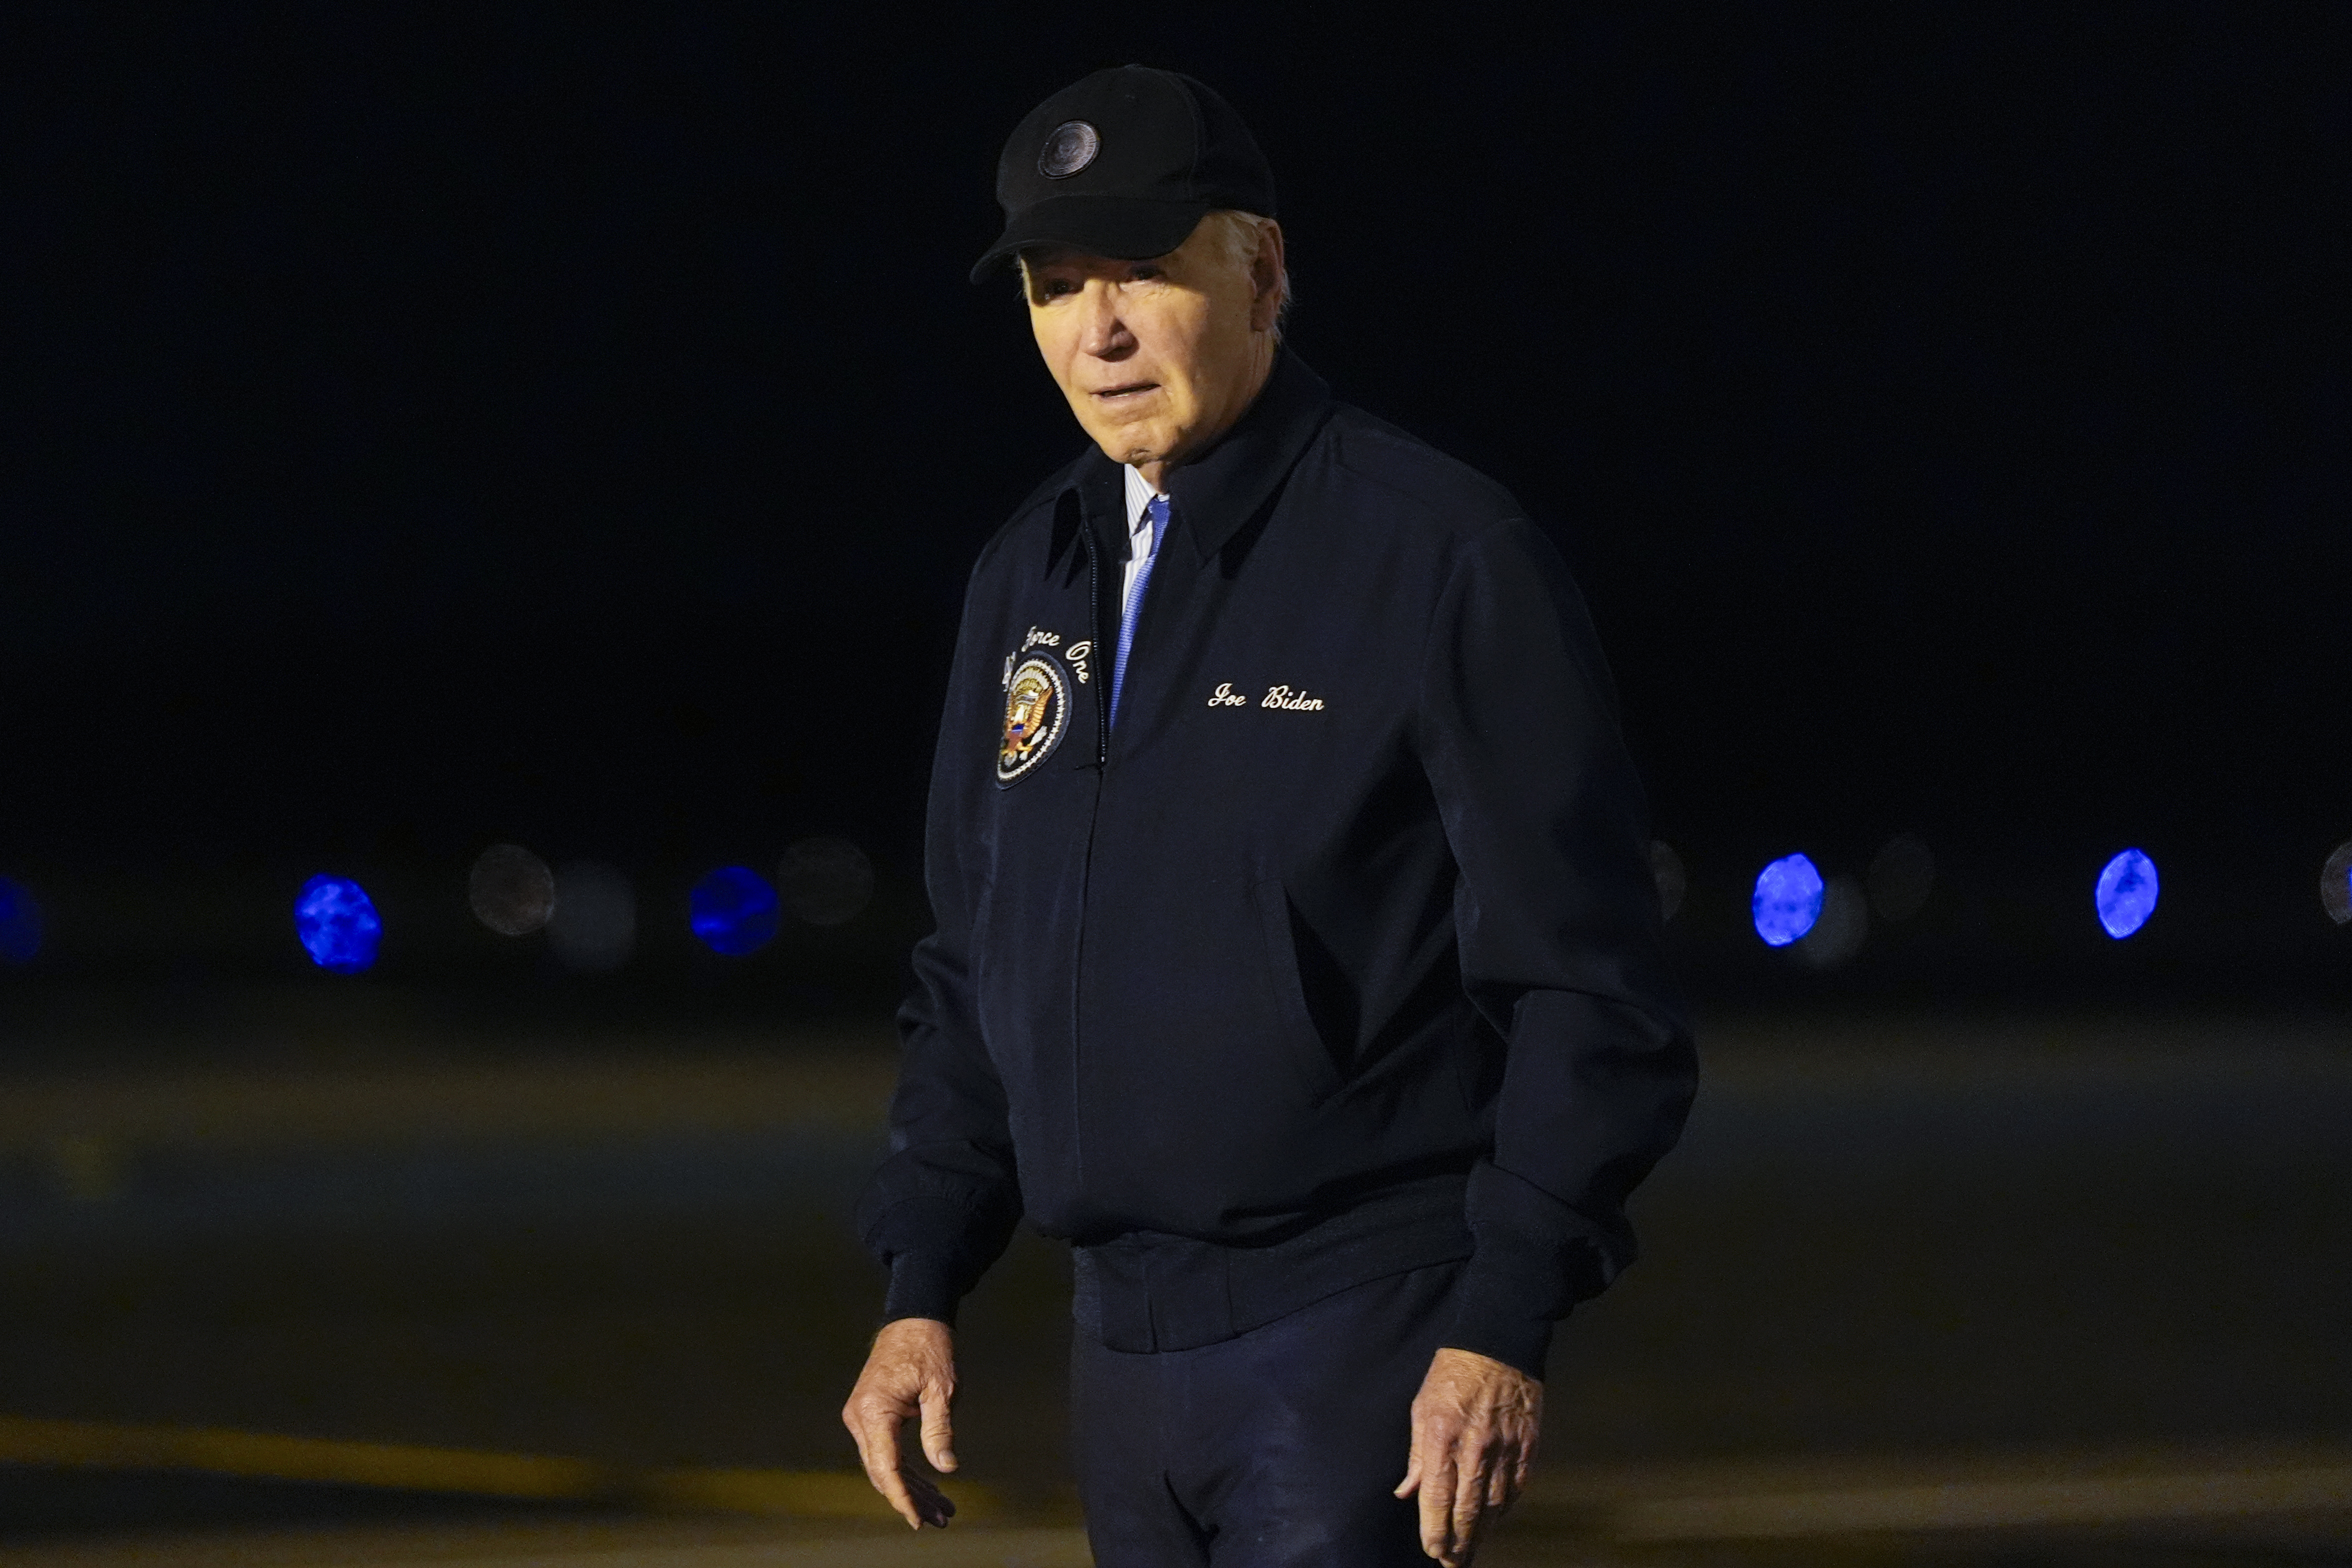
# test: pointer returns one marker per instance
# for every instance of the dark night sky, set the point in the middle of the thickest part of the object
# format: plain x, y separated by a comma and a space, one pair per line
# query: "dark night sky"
426, 427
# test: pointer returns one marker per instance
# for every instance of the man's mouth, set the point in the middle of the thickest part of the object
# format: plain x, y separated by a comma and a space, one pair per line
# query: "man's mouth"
1132, 389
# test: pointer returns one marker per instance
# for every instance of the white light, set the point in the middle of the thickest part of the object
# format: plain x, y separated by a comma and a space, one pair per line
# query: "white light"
511, 889
1845, 924
2335, 884
1901, 875
826, 881
1666, 870
594, 925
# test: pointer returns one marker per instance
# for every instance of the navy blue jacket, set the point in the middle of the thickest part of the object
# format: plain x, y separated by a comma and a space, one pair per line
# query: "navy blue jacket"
1339, 955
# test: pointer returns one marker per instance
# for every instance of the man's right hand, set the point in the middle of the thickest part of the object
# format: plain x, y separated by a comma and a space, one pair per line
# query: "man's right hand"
909, 1373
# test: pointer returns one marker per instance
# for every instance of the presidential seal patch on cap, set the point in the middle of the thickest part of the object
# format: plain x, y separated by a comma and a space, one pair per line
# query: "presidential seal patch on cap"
1071, 147
1124, 163
1036, 710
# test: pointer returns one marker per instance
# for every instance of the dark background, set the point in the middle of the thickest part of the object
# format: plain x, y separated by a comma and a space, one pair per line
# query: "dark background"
425, 428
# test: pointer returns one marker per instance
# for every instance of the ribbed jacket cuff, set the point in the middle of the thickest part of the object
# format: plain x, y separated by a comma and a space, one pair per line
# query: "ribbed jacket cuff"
1491, 1318
923, 1285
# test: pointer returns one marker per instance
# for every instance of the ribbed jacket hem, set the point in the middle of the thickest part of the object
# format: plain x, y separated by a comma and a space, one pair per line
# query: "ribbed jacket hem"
923, 1285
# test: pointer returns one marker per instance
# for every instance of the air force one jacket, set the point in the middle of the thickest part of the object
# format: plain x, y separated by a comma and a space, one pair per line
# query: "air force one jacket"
1339, 955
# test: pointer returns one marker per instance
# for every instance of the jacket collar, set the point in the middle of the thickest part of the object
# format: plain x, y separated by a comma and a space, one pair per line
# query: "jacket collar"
1222, 488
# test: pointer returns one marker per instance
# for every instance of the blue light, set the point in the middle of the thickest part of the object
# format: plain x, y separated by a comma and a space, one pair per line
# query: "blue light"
338, 924
735, 910
2126, 894
1788, 900
20, 923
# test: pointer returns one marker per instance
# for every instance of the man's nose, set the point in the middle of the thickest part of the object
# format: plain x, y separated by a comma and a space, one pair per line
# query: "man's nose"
1103, 335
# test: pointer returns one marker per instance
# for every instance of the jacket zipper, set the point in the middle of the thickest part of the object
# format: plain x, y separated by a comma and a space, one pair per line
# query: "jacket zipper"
1094, 629
1087, 866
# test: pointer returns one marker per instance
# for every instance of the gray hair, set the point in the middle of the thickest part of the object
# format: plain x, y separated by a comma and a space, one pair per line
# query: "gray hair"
1235, 238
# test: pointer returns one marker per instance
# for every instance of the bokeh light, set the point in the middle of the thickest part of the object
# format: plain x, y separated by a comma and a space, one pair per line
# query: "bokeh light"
2335, 884
1666, 870
20, 923
735, 910
1843, 925
337, 923
826, 881
2125, 895
511, 889
1788, 900
1901, 875
594, 927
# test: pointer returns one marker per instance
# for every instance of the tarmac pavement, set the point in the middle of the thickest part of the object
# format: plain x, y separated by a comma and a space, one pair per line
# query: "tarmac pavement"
1887, 1241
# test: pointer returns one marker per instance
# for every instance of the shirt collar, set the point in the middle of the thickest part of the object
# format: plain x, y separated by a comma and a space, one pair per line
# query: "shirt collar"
1139, 496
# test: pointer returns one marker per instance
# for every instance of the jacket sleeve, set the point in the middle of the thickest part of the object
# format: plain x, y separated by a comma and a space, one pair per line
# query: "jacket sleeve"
942, 1204
1560, 935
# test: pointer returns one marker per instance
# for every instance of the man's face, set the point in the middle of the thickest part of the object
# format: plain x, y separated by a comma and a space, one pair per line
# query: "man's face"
1158, 358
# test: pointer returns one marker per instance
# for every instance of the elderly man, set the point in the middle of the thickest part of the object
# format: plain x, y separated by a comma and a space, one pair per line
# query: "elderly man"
1296, 957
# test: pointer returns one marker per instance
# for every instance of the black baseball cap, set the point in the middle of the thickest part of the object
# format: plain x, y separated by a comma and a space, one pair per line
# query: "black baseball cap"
1125, 164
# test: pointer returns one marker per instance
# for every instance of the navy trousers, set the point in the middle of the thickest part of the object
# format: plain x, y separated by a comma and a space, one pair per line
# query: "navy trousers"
1277, 1448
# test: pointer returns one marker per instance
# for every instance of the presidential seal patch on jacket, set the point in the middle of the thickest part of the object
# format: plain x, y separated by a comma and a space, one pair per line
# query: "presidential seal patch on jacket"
1036, 710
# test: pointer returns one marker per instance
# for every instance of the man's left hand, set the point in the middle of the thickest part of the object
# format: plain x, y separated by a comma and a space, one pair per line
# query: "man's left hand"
1473, 1434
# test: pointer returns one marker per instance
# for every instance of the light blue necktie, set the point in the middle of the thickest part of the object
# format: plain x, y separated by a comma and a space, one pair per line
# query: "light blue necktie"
1156, 508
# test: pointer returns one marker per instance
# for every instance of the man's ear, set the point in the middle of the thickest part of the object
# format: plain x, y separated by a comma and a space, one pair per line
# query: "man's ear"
1265, 278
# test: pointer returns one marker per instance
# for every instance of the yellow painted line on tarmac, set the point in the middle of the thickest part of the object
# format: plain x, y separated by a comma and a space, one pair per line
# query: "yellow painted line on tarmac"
261, 1456
1664, 1505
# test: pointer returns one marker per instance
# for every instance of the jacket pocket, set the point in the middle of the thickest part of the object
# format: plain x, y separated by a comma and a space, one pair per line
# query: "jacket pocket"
1302, 1041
